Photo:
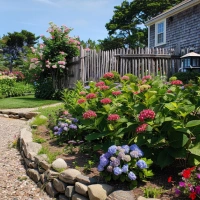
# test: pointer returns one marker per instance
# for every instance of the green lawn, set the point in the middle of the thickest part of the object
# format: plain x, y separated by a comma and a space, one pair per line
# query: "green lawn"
24, 102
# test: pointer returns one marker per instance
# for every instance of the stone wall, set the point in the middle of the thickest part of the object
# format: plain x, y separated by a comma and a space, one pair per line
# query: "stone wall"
62, 182
182, 30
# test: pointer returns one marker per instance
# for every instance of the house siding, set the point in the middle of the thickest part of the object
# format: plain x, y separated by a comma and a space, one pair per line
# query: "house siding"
182, 30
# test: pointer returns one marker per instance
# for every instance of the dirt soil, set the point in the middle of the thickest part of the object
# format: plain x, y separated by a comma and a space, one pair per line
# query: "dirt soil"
75, 158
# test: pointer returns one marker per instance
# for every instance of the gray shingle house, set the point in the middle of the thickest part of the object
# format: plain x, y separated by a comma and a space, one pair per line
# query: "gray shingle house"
177, 28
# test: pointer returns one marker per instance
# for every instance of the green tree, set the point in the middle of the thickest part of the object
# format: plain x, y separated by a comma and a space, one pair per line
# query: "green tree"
128, 21
111, 43
13, 45
91, 44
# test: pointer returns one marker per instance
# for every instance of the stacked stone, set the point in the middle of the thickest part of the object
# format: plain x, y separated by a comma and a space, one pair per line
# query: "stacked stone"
17, 115
58, 180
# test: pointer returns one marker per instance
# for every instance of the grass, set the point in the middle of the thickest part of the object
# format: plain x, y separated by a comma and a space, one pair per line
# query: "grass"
24, 102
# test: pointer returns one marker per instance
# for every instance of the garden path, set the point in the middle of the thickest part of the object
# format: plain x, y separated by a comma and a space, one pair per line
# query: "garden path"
14, 183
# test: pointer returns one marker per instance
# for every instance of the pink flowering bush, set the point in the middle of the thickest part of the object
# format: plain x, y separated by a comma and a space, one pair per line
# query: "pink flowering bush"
49, 60
160, 117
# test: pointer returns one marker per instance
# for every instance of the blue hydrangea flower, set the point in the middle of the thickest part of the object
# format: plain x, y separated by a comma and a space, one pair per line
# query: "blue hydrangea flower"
55, 128
55, 133
141, 164
126, 148
112, 149
65, 128
134, 147
72, 126
116, 162
117, 171
125, 168
131, 176
107, 155
100, 168
74, 120
62, 125
103, 161
87, 87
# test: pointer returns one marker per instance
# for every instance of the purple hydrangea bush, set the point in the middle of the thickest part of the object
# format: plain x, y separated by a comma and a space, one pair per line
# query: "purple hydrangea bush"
65, 124
125, 163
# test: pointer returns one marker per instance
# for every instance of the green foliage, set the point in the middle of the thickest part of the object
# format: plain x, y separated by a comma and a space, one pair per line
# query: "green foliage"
187, 77
152, 191
128, 21
44, 89
50, 155
39, 120
10, 88
171, 133
38, 139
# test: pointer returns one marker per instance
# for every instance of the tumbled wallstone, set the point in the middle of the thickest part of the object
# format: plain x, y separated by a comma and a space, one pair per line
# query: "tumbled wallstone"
121, 195
25, 137
33, 174
31, 147
69, 175
51, 190
59, 185
50, 175
99, 191
45, 165
81, 188
143, 198
86, 180
40, 158
79, 197
63, 197
69, 191
59, 164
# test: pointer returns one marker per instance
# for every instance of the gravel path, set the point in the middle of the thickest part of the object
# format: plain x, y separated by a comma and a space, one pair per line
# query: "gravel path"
14, 184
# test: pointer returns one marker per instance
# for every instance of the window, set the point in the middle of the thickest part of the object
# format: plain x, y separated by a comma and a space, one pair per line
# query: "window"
160, 33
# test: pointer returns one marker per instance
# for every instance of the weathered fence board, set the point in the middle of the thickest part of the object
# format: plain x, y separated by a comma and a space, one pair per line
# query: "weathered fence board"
93, 65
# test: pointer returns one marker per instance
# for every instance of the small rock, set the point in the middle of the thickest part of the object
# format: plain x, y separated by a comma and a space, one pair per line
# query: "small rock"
51, 190
69, 175
50, 175
81, 188
62, 197
45, 165
70, 190
59, 164
99, 191
59, 185
79, 197
121, 195
33, 174
86, 180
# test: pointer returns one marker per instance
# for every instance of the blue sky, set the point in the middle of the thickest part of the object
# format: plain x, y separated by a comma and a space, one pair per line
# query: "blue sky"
86, 17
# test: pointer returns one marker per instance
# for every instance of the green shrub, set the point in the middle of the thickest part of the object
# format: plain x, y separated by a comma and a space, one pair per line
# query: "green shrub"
162, 118
187, 76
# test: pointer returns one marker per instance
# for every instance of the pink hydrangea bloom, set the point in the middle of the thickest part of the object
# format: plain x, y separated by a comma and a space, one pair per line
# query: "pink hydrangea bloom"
80, 101
141, 128
147, 77
106, 101
108, 75
116, 93
146, 114
177, 82
125, 78
91, 96
54, 66
82, 93
113, 117
89, 114
104, 87
101, 83
61, 62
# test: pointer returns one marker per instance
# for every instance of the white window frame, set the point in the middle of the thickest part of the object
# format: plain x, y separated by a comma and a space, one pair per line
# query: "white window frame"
164, 33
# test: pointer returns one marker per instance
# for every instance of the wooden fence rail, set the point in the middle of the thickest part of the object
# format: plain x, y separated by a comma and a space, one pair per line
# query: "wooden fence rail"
141, 61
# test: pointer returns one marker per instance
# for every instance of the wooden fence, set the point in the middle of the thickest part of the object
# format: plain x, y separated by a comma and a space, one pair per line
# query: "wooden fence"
92, 65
